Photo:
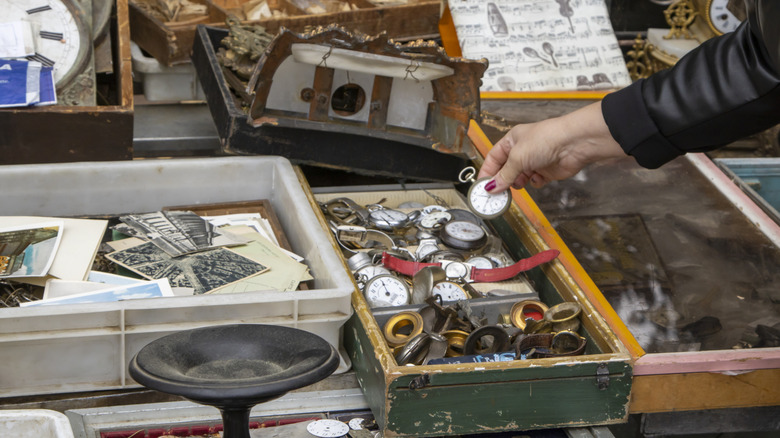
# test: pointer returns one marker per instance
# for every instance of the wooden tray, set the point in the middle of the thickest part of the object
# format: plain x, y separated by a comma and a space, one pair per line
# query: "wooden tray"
52, 134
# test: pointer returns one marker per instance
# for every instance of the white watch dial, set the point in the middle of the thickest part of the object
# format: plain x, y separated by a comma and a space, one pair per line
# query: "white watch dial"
463, 235
386, 290
721, 19
480, 262
488, 205
356, 423
456, 270
465, 231
369, 272
327, 428
449, 291
431, 208
61, 39
435, 219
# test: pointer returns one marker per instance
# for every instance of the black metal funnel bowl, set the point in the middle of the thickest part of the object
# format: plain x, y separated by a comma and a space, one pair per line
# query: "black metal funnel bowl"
234, 367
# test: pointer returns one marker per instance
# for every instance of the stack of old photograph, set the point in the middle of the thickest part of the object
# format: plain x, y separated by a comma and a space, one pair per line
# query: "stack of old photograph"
52, 261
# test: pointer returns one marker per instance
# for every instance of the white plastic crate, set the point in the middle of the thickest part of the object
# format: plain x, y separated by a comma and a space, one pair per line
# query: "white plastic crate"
34, 423
178, 82
70, 348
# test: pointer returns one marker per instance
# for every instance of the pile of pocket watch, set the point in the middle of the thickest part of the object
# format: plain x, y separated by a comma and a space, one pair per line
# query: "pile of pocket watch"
417, 254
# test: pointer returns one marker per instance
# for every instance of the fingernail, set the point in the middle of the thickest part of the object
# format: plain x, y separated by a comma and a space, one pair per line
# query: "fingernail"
490, 185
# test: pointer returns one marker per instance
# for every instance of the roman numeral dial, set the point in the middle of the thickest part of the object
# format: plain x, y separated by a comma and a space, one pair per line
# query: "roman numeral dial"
62, 39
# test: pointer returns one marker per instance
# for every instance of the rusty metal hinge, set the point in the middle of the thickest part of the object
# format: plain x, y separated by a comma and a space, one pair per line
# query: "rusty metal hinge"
602, 376
420, 382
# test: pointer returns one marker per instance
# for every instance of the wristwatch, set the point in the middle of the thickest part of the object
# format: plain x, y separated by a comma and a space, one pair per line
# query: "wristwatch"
468, 272
425, 248
362, 235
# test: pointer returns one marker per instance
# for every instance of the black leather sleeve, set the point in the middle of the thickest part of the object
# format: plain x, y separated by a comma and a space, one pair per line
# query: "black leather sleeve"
724, 90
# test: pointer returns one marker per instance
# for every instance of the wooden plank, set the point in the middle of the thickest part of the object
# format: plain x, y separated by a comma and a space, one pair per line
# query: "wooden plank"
323, 82
695, 391
500, 403
380, 102
708, 361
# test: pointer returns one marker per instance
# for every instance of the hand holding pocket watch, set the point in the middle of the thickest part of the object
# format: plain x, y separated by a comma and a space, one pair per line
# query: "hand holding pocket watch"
484, 204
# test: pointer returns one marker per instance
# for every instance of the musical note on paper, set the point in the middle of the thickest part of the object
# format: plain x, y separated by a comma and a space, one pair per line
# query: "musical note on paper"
566, 11
540, 44
496, 21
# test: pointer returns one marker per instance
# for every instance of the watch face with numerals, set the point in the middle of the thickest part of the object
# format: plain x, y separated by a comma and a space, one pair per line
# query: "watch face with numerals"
327, 428
463, 235
449, 291
386, 290
62, 38
719, 18
487, 205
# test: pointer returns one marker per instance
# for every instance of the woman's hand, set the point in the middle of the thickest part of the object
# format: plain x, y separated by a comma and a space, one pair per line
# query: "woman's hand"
551, 150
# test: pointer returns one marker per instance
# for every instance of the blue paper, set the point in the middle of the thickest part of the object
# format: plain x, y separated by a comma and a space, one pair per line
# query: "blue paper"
19, 83
48, 92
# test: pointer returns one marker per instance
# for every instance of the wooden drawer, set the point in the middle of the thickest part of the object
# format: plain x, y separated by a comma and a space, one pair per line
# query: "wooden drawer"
453, 399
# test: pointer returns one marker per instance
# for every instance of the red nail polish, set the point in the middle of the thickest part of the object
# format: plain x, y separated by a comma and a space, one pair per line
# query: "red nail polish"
490, 185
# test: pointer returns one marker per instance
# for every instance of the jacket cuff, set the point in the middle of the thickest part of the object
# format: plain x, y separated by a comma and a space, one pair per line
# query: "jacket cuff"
631, 126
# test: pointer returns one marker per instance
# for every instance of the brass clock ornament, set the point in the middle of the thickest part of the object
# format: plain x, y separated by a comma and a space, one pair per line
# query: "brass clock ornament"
63, 41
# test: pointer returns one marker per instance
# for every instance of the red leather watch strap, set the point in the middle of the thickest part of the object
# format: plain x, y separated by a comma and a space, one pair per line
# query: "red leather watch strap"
480, 275
403, 266
507, 272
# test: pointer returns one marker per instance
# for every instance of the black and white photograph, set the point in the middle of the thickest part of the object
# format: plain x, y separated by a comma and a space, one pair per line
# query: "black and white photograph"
202, 271
177, 232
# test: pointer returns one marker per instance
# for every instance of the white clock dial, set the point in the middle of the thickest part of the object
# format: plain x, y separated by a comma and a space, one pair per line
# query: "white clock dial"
449, 291
61, 38
487, 205
386, 290
327, 428
720, 18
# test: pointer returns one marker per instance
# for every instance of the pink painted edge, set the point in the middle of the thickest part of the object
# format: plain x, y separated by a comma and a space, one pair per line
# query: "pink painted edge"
708, 361
736, 196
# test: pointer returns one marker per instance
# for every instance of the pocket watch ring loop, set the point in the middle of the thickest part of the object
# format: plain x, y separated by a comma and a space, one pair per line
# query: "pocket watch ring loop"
467, 174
